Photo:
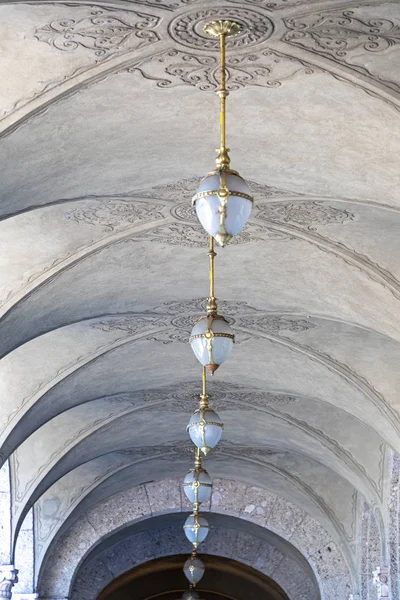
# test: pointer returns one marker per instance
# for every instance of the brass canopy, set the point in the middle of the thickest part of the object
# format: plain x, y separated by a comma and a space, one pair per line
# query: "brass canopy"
226, 28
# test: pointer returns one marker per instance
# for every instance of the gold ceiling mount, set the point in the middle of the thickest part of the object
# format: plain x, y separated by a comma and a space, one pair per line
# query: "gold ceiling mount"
226, 28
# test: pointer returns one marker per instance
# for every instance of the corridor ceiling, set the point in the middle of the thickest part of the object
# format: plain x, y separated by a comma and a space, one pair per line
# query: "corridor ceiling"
109, 120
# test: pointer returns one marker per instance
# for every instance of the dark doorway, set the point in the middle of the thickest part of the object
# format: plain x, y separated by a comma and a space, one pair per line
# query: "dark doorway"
163, 579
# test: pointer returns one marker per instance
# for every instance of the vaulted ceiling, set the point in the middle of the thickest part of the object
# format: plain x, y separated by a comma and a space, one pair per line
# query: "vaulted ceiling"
109, 120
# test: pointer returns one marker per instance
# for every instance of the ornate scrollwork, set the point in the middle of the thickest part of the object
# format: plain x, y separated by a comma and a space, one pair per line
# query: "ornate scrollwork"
187, 29
336, 33
103, 33
129, 324
193, 235
269, 68
342, 36
177, 191
306, 214
275, 324
278, 4
115, 213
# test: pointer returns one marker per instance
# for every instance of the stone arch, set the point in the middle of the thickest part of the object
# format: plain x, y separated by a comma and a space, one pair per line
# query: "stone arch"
140, 547
236, 499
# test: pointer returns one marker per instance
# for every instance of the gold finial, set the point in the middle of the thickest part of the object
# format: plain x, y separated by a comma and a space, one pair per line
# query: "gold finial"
227, 28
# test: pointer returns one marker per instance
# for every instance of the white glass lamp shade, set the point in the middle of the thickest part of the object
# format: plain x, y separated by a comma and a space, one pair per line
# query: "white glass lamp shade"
205, 429
196, 529
212, 341
190, 595
197, 486
223, 204
194, 569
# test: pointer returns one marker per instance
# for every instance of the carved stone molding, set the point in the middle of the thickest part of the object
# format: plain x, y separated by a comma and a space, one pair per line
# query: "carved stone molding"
187, 29
268, 68
8, 577
101, 32
340, 35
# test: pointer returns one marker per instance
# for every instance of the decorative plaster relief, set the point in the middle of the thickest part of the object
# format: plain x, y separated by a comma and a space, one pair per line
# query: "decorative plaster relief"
341, 35
180, 193
130, 324
194, 236
222, 396
273, 5
176, 191
257, 320
114, 213
101, 32
268, 68
306, 214
187, 29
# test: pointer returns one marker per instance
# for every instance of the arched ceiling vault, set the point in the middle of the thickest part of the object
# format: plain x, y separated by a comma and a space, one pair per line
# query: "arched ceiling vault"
107, 124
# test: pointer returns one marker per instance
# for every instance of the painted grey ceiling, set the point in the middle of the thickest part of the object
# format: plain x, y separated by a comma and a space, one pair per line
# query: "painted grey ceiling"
104, 267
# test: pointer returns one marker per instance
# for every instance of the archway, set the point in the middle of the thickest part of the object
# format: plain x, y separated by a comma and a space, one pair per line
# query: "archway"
162, 579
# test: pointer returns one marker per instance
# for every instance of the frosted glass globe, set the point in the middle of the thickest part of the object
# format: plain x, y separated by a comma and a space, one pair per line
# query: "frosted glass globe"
197, 486
205, 429
212, 341
194, 569
196, 529
208, 206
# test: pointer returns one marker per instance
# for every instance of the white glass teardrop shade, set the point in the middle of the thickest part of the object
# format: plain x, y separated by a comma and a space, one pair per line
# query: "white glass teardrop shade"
205, 429
197, 486
194, 569
238, 206
196, 529
212, 341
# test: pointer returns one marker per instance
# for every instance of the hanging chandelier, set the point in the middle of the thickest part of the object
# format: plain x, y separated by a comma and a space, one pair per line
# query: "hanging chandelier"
223, 204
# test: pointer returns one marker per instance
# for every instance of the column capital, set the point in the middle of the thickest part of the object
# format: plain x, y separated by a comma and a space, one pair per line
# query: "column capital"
381, 581
8, 576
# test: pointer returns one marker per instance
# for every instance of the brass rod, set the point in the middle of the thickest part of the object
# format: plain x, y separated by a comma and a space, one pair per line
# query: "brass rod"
211, 255
204, 381
222, 91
